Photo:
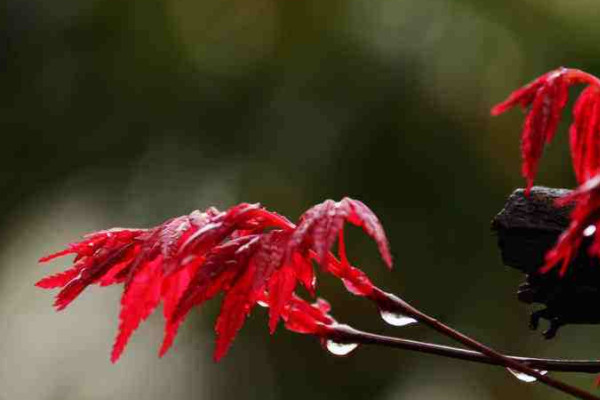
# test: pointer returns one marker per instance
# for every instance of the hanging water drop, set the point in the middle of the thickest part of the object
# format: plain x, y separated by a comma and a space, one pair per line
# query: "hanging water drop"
524, 377
590, 230
340, 349
396, 318
262, 303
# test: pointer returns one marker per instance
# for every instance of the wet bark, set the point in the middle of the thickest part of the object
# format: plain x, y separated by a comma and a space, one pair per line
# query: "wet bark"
526, 228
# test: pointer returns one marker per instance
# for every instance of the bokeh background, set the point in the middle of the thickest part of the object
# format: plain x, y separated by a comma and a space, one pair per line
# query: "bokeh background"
127, 112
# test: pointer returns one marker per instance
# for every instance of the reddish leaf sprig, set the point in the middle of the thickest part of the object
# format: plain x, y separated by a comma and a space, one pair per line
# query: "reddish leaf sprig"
301, 317
250, 254
546, 97
585, 221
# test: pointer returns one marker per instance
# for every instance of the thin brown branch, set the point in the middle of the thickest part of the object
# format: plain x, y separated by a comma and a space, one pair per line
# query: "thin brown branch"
346, 334
390, 302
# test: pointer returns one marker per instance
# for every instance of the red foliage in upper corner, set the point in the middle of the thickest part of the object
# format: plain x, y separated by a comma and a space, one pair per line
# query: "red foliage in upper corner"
546, 97
251, 254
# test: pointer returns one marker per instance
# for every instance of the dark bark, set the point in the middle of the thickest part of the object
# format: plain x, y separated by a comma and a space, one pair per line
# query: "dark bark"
527, 228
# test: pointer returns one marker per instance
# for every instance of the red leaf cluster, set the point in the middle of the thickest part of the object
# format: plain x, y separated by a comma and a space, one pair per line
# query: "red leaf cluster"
585, 221
250, 254
585, 134
545, 99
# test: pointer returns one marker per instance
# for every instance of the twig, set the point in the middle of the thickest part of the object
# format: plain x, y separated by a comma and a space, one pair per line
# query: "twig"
346, 334
527, 227
390, 302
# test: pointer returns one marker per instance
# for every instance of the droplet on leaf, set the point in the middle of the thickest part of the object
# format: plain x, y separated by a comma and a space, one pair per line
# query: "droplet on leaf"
340, 349
397, 319
524, 377
590, 230
262, 303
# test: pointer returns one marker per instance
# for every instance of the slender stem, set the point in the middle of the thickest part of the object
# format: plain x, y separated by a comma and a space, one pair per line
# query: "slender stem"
388, 301
346, 334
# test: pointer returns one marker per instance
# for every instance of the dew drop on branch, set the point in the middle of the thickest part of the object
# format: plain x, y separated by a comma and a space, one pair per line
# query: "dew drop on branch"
524, 377
340, 349
397, 319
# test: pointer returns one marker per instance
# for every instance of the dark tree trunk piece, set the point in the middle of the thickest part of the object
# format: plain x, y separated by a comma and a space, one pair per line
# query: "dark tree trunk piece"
527, 228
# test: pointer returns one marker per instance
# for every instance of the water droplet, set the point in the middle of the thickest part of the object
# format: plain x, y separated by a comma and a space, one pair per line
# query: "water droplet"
340, 349
262, 303
397, 319
524, 377
590, 230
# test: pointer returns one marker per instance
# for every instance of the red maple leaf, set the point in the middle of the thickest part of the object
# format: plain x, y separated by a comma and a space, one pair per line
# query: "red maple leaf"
585, 220
547, 96
545, 99
301, 317
250, 254
585, 134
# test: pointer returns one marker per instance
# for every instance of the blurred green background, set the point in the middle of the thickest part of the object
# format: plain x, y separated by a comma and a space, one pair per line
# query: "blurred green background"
127, 112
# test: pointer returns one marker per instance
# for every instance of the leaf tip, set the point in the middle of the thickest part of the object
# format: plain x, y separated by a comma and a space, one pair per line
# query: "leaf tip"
114, 356
498, 109
389, 263
220, 352
273, 321
52, 256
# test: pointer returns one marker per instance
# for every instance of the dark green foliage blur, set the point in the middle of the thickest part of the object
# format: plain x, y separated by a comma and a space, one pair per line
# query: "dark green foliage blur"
128, 112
